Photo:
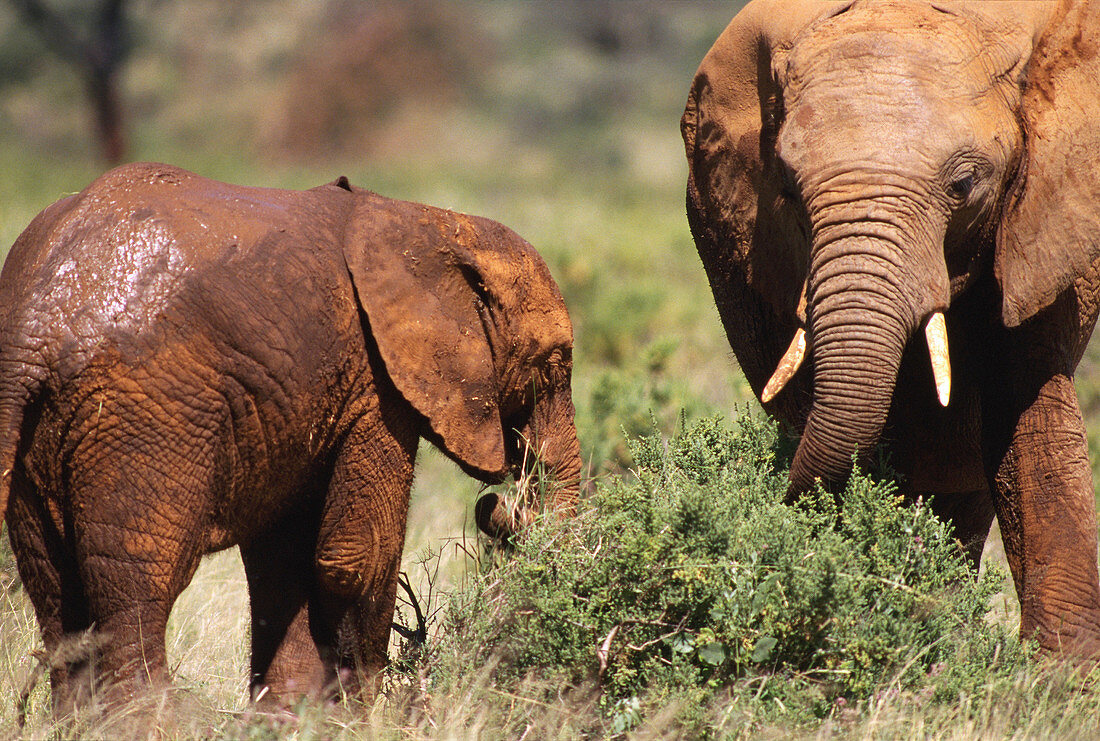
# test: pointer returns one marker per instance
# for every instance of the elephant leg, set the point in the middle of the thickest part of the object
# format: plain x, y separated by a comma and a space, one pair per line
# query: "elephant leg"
130, 596
362, 535
282, 585
1046, 509
363, 633
140, 521
971, 516
50, 577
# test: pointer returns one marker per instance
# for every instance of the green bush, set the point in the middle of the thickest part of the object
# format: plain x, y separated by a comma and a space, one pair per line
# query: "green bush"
694, 586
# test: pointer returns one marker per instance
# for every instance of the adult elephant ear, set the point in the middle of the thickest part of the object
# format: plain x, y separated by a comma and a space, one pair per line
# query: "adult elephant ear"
1051, 231
749, 237
416, 274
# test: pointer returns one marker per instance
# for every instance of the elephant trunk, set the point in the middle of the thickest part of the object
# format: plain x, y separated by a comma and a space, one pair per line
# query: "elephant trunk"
554, 457
550, 463
861, 318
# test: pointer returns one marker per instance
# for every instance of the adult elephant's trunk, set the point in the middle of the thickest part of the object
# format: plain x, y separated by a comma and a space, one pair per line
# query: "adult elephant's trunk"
861, 317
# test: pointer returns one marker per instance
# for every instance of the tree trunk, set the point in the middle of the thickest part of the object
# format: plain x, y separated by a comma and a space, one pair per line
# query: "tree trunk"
97, 54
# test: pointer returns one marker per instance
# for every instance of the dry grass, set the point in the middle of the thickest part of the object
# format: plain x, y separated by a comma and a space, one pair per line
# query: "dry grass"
207, 646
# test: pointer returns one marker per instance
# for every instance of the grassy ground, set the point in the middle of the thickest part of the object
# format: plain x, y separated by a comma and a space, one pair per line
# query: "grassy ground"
559, 120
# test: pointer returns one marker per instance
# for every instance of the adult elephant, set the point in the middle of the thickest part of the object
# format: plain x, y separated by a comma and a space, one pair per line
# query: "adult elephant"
862, 171
186, 365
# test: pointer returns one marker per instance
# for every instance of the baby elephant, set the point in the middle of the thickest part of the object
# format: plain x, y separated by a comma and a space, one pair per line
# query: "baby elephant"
187, 365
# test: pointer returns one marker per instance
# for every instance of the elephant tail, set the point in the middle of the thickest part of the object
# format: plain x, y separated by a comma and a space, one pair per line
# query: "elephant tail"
18, 392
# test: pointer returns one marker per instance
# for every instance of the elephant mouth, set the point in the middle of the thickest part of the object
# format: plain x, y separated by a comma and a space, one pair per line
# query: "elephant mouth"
935, 333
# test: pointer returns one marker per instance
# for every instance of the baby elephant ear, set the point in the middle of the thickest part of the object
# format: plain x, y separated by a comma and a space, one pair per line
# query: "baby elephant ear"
1051, 231
422, 301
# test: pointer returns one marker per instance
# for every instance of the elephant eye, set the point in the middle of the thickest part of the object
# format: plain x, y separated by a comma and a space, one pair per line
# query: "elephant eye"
788, 182
961, 187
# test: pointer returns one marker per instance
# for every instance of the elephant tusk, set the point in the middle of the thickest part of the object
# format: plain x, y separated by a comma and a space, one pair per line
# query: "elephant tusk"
936, 334
788, 366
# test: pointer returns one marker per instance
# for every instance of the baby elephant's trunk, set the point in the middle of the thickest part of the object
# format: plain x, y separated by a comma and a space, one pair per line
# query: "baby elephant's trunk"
548, 477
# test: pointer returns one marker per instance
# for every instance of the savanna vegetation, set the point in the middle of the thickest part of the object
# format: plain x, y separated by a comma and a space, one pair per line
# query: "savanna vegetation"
687, 599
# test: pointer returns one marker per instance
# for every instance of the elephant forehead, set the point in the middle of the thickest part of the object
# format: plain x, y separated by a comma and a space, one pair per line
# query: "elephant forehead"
900, 41
874, 81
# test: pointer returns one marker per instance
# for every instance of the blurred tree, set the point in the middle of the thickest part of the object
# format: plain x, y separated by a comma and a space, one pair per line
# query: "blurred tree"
379, 72
93, 38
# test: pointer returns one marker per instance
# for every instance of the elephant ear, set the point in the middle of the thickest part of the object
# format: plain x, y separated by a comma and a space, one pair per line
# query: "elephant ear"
1051, 231
749, 237
416, 277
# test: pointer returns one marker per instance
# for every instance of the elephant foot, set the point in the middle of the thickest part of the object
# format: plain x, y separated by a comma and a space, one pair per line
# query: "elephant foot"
278, 694
288, 686
1073, 638
1083, 650
126, 711
298, 669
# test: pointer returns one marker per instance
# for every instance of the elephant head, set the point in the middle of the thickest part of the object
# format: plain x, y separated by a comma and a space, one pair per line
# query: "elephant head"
475, 335
860, 164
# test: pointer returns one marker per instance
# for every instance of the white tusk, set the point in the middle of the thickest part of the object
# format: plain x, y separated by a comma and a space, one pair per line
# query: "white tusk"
936, 334
787, 366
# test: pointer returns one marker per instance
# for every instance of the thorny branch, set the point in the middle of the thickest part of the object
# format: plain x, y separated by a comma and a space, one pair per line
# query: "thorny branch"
419, 634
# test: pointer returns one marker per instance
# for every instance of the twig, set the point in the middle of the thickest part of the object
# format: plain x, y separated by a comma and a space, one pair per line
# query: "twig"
67, 652
679, 628
420, 634
605, 649
40, 664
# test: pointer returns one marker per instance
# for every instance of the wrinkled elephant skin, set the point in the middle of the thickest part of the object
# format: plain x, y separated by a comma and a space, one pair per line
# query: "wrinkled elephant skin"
187, 365
911, 191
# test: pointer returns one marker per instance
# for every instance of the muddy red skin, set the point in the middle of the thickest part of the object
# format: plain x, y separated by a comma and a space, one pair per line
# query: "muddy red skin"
187, 365
890, 161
